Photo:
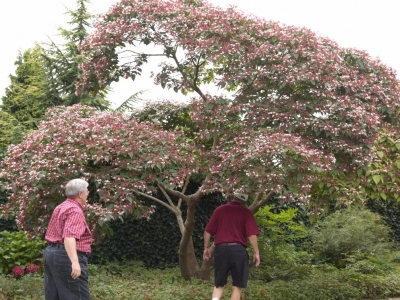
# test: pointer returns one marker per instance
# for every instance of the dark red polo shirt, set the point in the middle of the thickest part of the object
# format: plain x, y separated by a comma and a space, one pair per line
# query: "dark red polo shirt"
232, 223
68, 220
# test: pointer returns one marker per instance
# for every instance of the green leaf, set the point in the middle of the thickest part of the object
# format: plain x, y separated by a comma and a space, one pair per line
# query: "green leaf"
312, 218
377, 178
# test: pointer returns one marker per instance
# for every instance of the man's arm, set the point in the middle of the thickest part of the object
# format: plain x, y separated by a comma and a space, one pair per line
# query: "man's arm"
207, 251
254, 244
70, 247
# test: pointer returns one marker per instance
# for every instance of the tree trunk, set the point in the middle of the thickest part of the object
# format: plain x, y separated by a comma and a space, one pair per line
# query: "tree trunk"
205, 271
187, 258
189, 265
188, 262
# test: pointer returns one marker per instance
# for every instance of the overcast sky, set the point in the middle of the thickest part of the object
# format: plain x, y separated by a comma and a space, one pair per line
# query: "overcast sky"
370, 25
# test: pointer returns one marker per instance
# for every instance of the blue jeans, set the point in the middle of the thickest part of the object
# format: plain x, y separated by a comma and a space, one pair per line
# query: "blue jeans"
58, 283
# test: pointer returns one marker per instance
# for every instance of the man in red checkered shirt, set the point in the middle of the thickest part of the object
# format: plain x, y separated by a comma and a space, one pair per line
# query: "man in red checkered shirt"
69, 245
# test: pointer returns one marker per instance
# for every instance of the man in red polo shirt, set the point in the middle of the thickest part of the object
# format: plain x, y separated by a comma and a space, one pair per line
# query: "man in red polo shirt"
69, 245
231, 224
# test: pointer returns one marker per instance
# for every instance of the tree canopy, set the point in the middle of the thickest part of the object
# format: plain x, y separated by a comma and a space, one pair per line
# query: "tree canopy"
289, 105
289, 109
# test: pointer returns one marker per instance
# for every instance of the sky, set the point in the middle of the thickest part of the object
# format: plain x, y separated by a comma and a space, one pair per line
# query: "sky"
370, 25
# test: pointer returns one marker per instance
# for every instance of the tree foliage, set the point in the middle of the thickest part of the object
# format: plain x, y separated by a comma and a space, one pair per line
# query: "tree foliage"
292, 101
28, 96
291, 109
62, 61
121, 156
11, 131
46, 76
348, 232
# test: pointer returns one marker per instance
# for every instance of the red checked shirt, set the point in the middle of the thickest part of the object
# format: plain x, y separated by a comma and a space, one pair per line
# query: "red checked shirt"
68, 220
232, 223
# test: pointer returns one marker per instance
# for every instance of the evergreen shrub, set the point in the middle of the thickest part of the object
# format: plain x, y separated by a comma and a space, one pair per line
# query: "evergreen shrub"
346, 233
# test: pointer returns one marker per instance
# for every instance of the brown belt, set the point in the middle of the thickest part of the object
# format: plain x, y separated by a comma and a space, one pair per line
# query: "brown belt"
228, 244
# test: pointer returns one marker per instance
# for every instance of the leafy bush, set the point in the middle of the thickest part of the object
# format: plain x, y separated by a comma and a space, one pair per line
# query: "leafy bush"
367, 264
282, 263
280, 258
16, 249
374, 286
318, 286
278, 228
345, 233
328, 283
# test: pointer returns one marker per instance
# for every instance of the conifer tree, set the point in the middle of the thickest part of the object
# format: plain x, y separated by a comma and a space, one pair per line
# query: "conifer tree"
62, 61
28, 96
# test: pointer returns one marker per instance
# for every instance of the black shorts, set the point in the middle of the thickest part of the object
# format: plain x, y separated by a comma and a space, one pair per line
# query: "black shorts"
234, 259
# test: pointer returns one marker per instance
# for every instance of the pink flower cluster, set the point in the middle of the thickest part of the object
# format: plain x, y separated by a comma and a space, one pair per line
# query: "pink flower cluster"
18, 271
32, 268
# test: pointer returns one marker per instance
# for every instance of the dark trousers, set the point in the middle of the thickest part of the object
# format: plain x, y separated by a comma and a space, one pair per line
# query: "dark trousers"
233, 259
58, 283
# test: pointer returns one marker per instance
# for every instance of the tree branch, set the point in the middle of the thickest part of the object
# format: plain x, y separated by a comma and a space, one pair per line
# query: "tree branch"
259, 201
194, 85
166, 196
158, 201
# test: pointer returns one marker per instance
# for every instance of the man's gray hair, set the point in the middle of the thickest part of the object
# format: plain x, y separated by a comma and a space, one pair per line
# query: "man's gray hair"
75, 186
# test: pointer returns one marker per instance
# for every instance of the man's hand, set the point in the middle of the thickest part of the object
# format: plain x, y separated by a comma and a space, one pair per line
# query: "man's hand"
254, 245
76, 270
70, 247
207, 254
256, 259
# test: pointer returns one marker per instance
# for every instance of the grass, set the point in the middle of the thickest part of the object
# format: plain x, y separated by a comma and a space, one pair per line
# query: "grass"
116, 282
132, 281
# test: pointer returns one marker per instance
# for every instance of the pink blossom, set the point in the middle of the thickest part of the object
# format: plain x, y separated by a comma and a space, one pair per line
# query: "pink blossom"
18, 271
32, 268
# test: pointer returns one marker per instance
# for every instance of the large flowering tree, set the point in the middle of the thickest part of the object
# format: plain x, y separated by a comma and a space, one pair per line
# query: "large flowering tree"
291, 109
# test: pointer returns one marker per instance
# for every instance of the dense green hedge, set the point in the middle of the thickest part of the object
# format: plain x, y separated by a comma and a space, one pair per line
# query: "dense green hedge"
6, 225
154, 242
390, 211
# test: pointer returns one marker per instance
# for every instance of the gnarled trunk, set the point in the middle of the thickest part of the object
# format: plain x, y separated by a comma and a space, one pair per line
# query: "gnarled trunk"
188, 263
